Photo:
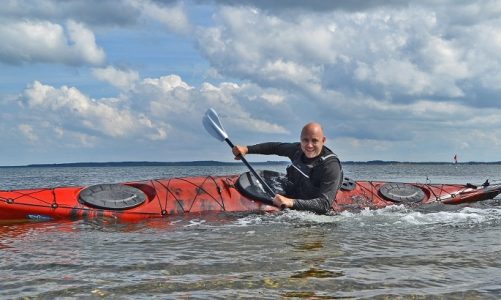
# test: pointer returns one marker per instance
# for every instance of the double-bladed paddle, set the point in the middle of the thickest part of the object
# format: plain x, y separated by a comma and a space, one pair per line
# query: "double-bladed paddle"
213, 125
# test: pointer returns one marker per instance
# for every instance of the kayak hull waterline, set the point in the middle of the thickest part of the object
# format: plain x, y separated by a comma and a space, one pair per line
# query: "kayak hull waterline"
161, 198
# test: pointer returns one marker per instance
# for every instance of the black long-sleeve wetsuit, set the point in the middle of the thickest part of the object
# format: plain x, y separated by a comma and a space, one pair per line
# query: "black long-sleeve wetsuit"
316, 191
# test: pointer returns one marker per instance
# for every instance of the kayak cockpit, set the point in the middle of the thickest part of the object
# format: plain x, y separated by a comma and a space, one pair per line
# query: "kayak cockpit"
250, 187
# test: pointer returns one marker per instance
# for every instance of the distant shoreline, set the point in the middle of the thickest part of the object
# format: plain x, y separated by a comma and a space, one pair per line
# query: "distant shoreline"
220, 163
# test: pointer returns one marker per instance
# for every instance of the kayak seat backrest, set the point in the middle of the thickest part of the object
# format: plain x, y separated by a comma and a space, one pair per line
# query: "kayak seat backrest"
348, 184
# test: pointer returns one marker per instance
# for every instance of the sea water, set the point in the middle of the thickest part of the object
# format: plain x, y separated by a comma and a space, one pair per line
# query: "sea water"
451, 252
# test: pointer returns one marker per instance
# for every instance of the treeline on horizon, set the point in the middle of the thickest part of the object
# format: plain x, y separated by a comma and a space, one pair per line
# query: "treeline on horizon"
220, 163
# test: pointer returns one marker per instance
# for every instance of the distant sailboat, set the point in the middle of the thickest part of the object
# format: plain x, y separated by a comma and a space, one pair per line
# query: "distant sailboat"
455, 158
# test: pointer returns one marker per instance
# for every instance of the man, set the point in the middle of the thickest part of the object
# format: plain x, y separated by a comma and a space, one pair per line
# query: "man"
314, 176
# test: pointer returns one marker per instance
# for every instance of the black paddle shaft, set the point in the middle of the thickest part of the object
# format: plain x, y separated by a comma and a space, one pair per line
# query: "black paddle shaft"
267, 188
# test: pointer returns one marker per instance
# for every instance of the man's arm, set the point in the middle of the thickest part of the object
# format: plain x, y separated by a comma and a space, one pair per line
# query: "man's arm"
329, 186
274, 148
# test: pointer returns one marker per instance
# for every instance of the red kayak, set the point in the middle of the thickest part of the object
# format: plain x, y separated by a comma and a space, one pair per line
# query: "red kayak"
161, 198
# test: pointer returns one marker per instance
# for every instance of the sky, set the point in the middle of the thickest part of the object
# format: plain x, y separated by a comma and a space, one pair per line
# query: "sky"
130, 80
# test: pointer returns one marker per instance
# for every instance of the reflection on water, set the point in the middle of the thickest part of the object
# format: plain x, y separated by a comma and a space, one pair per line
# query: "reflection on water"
435, 252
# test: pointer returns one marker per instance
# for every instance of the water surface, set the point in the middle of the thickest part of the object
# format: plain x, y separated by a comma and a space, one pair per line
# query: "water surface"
439, 252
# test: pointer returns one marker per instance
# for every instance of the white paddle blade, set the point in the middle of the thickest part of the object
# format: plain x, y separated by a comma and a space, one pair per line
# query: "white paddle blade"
213, 125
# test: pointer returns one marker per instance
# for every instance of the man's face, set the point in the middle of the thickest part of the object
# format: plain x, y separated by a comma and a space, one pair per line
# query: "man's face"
312, 141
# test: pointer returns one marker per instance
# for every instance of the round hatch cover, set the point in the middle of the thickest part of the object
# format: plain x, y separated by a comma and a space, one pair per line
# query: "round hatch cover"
402, 192
112, 196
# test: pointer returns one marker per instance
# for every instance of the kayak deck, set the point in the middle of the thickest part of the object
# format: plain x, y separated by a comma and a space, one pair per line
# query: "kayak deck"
164, 197
159, 198
357, 195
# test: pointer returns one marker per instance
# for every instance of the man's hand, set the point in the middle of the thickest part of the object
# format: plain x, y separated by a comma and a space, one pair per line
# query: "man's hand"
239, 151
282, 201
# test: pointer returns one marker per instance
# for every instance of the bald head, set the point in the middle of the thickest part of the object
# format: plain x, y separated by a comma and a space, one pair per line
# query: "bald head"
312, 139
312, 127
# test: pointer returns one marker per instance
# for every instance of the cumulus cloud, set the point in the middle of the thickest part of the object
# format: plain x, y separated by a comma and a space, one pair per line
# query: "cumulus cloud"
122, 79
383, 75
52, 31
392, 53
172, 99
172, 15
92, 12
28, 132
153, 110
315, 5
99, 13
42, 41
69, 107
231, 100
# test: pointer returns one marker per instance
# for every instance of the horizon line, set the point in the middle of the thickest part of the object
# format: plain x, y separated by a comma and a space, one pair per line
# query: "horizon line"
216, 163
